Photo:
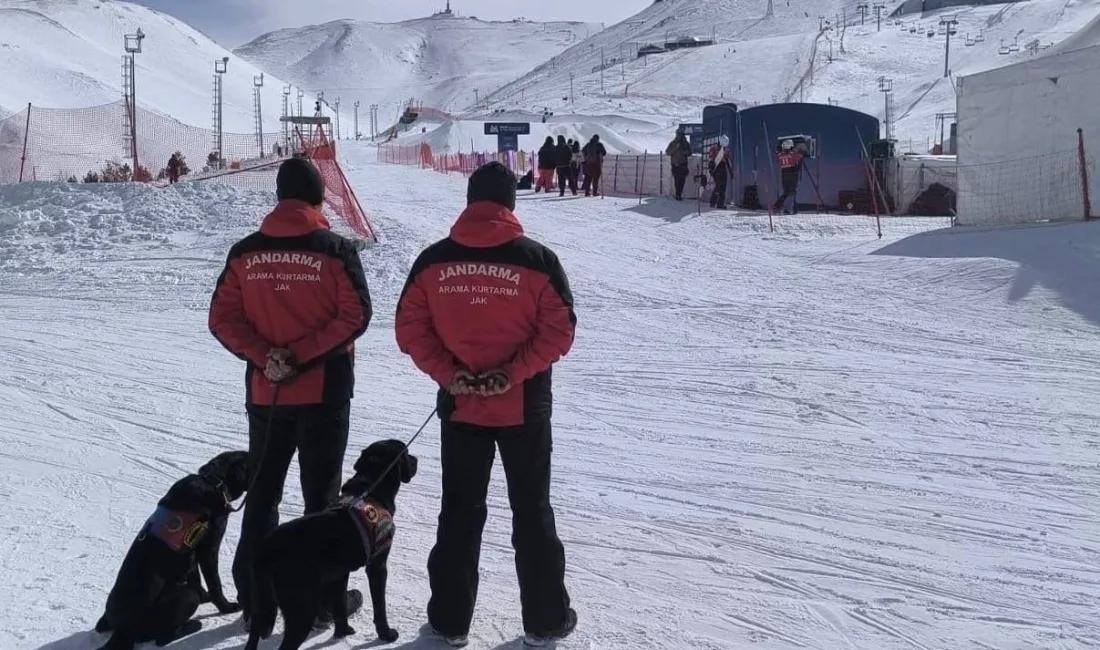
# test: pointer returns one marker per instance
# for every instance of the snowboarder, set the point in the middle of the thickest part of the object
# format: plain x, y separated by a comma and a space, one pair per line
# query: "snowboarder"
457, 319
547, 163
790, 171
291, 302
594, 152
720, 164
679, 152
564, 160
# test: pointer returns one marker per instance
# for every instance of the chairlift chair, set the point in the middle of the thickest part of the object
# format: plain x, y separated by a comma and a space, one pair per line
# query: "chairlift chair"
1015, 47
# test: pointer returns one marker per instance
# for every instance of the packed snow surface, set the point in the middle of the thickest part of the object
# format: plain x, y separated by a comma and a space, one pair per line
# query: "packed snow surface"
806, 439
68, 54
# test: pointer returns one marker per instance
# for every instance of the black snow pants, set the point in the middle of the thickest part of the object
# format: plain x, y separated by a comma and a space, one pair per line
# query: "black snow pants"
566, 178
319, 433
679, 177
467, 459
721, 179
788, 178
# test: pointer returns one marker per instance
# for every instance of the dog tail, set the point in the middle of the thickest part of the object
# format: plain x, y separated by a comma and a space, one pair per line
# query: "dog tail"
265, 606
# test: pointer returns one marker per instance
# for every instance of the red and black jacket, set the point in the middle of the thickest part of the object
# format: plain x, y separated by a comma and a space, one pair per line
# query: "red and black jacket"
790, 160
488, 297
294, 285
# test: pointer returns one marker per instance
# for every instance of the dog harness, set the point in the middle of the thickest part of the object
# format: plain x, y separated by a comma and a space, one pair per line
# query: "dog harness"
181, 531
375, 523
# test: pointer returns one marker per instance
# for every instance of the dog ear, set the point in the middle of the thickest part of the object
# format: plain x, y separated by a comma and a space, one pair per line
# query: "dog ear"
406, 467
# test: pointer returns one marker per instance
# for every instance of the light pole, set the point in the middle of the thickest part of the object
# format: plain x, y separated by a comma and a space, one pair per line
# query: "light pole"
337, 105
286, 113
257, 92
571, 97
220, 68
886, 87
603, 64
356, 124
301, 94
477, 99
132, 44
948, 22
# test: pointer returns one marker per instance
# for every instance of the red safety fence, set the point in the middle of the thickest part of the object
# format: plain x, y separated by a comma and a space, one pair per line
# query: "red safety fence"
96, 144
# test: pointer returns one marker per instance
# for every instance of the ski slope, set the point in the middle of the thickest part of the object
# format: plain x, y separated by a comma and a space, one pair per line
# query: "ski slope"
437, 61
68, 54
808, 439
760, 59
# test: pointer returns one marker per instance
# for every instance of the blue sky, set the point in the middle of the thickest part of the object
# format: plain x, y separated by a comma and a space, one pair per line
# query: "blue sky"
234, 22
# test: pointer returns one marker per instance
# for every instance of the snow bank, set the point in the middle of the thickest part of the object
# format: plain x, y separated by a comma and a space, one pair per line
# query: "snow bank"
52, 227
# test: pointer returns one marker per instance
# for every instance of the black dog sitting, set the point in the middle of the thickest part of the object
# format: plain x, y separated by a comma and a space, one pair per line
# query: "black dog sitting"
304, 564
158, 587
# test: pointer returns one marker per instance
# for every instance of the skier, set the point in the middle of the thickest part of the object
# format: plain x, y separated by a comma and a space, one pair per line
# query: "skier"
291, 302
679, 152
485, 313
720, 164
547, 163
594, 152
564, 160
790, 171
174, 164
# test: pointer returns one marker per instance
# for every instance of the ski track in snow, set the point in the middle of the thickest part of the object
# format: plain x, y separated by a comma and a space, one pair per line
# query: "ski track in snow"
767, 441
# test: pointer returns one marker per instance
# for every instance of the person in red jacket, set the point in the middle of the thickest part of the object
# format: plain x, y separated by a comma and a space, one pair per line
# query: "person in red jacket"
485, 313
291, 302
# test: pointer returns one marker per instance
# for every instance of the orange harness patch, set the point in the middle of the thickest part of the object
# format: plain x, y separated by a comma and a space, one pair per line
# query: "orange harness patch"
181, 531
375, 524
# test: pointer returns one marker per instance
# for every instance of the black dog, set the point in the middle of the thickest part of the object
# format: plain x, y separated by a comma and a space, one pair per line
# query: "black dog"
304, 564
158, 587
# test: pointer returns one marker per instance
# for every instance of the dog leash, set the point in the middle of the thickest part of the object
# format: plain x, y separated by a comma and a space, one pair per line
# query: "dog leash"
267, 441
263, 452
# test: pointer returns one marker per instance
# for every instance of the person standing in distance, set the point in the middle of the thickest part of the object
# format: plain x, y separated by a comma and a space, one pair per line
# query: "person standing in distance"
485, 313
291, 302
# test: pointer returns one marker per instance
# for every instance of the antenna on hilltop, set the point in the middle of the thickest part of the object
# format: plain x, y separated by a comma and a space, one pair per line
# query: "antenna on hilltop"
771, 9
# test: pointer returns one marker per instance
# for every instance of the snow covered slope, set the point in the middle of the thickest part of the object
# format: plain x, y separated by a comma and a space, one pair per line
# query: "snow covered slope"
772, 442
438, 61
763, 59
68, 54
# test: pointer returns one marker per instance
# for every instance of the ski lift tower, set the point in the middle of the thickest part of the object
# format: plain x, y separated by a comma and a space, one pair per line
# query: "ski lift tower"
132, 45
310, 131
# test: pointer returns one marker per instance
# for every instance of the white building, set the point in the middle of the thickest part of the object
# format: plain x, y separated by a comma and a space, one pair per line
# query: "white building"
1019, 159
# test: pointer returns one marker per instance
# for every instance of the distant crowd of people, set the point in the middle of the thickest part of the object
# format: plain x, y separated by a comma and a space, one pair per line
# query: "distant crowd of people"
572, 164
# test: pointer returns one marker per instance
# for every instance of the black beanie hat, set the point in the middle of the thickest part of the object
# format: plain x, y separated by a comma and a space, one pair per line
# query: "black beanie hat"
299, 179
492, 182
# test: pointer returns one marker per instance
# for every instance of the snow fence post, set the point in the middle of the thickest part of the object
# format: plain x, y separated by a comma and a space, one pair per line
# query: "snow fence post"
26, 134
1082, 160
641, 180
615, 175
661, 176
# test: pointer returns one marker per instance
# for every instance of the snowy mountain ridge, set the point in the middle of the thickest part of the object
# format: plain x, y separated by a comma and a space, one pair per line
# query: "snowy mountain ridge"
82, 64
822, 51
444, 62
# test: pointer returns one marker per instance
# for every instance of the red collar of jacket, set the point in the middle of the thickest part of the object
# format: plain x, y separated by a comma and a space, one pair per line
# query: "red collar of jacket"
293, 218
485, 224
